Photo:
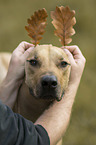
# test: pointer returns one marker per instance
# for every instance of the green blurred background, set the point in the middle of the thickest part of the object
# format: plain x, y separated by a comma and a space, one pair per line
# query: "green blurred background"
13, 18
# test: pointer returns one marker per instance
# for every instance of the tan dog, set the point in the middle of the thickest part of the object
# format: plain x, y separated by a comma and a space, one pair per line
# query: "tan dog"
47, 73
4, 63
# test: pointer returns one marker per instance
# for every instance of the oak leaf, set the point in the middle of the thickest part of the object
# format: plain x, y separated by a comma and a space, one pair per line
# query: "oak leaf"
36, 25
63, 21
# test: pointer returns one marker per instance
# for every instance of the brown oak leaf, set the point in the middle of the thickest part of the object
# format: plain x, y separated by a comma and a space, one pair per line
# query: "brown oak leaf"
36, 25
63, 21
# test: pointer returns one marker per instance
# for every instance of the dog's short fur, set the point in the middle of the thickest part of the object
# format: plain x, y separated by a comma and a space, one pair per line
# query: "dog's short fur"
4, 63
47, 73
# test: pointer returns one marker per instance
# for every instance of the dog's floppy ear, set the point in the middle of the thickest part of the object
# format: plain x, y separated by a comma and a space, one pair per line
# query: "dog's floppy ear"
63, 21
36, 25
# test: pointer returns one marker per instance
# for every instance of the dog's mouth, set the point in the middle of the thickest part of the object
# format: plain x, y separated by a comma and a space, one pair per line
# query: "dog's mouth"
47, 96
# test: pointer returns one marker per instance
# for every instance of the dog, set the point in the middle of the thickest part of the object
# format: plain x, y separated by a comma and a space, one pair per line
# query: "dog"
4, 63
47, 71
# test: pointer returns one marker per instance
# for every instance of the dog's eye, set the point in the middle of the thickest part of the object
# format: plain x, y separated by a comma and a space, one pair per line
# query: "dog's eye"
64, 63
33, 62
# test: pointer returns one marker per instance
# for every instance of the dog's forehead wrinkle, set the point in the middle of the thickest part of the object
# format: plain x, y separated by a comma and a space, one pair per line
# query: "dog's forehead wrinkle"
56, 53
48, 54
42, 54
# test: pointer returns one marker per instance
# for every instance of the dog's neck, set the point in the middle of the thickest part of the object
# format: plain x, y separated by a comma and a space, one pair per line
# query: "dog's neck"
27, 105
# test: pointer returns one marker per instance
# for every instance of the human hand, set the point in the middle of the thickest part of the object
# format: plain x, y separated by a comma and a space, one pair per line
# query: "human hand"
10, 85
17, 63
77, 61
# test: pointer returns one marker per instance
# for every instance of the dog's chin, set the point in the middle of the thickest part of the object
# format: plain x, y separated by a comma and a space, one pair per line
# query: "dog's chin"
59, 98
50, 97
53, 96
42, 95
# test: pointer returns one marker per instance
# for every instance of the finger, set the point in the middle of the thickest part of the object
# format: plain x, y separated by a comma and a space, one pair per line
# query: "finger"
75, 51
27, 52
23, 46
70, 56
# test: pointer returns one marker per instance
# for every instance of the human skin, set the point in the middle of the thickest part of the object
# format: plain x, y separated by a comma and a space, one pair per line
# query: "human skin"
55, 120
10, 85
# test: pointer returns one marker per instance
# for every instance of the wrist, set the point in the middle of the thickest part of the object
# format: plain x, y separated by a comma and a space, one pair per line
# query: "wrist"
74, 82
9, 90
9, 79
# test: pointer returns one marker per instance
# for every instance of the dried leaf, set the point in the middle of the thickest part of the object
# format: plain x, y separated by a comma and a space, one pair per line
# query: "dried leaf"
63, 21
36, 25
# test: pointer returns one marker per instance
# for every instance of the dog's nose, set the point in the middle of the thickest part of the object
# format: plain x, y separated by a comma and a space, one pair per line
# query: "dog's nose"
49, 81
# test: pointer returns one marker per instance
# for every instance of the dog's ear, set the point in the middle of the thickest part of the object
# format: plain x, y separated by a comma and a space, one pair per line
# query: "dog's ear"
36, 25
63, 21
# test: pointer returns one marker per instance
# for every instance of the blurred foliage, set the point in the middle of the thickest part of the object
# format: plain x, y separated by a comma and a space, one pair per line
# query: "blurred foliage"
13, 18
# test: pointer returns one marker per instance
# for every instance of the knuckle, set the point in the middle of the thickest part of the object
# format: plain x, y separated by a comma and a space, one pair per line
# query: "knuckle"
22, 43
14, 55
76, 46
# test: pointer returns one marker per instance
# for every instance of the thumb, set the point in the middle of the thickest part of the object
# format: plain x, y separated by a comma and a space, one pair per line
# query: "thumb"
27, 52
70, 56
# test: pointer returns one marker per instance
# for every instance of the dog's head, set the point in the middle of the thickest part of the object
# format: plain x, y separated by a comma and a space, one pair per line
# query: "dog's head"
47, 72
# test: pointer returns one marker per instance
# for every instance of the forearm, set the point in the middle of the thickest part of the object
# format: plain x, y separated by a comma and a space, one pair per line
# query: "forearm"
55, 120
9, 90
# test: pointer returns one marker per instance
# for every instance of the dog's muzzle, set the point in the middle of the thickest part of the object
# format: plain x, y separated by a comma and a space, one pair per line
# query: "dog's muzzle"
47, 89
